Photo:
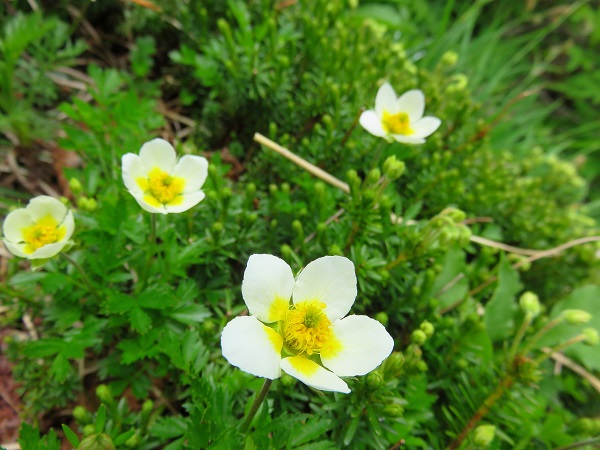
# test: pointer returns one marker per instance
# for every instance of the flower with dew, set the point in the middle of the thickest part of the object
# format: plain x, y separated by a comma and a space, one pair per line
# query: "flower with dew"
308, 337
40, 230
399, 118
159, 182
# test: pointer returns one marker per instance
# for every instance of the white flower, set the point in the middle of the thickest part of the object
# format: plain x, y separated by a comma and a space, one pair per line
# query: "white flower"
159, 182
310, 335
400, 118
40, 230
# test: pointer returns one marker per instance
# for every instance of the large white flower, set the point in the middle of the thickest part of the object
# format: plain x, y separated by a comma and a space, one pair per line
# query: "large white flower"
159, 182
307, 336
399, 118
40, 230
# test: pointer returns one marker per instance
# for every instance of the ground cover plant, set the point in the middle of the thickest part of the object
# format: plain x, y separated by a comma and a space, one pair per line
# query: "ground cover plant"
299, 225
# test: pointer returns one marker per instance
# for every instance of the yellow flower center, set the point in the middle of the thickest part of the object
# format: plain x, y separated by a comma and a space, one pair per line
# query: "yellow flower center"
45, 231
306, 328
161, 188
398, 123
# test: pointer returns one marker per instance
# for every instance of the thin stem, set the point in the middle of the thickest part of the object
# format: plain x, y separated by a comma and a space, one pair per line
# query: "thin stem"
537, 336
84, 276
257, 402
559, 348
519, 337
151, 253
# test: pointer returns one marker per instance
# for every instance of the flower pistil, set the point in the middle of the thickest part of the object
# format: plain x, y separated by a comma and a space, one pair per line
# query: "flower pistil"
45, 231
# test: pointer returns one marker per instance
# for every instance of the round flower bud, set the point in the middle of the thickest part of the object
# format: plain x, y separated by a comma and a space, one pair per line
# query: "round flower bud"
75, 186
104, 394
286, 251
576, 316
393, 168
427, 328
382, 318
81, 414
133, 441
449, 58
393, 410
591, 336
89, 429
375, 380
273, 188
422, 366
530, 304
250, 190
374, 176
287, 380
217, 227
147, 407
484, 435
418, 337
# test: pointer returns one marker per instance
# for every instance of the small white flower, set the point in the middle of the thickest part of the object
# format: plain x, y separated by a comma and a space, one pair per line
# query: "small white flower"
159, 182
399, 118
310, 335
40, 230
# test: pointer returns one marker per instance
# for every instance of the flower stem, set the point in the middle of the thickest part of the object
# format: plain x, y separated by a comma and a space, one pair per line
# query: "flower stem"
84, 276
519, 337
151, 252
257, 402
537, 336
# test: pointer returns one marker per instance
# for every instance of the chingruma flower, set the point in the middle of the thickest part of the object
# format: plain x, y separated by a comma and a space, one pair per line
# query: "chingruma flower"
159, 182
399, 118
40, 230
309, 337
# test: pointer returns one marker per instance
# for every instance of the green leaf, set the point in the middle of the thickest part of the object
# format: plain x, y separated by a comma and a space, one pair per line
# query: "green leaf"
303, 433
60, 367
71, 436
100, 419
500, 310
123, 437
140, 321
191, 314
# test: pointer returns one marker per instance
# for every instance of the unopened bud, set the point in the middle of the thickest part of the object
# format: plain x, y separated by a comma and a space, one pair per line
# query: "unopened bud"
217, 227
393, 410
133, 441
148, 405
89, 429
393, 168
530, 304
286, 251
373, 176
382, 318
418, 337
394, 363
455, 214
75, 186
375, 380
591, 336
287, 380
449, 58
484, 435
104, 394
250, 190
81, 414
576, 316
97, 441
427, 328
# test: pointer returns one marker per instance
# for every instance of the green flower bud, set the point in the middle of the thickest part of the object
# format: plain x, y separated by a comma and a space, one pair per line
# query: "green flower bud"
530, 304
208, 326
449, 58
418, 337
89, 429
393, 168
252, 217
87, 204
133, 441
217, 227
213, 170
422, 366
81, 414
375, 380
576, 316
455, 214
250, 190
285, 187
374, 176
393, 410
335, 250
226, 192
75, 186
148, 405
354, 180
427, 328
273, 188
462, 363
104, 394
286, 251
484, 435
394, 363
591, 336
97, 441
287, 380
212, 196
382, 318
273, 224
297, 227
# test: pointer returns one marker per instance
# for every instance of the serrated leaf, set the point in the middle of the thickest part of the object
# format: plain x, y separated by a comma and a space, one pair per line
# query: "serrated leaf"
311, 429
140, 321
190, 314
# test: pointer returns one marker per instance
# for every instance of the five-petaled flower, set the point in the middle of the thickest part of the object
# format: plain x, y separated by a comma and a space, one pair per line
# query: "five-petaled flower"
40, 230
309, 335
399, 118
159, 182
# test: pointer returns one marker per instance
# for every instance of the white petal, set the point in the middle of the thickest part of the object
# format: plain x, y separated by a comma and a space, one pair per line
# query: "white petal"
146, 206
362, 344
69, 224
408, 139
48, 250
158, 153
16, 249
194, 169
372, 123
248, 344
267, 287
385, 100
331, 280
132, 169
189, 200
412, 103
14, 224
43, 206
312, 374
425, 126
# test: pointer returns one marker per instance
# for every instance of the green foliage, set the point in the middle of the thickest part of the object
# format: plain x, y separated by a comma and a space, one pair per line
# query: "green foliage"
137, 308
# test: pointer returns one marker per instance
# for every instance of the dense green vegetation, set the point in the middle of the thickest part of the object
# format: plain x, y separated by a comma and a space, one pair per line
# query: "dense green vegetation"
478, 250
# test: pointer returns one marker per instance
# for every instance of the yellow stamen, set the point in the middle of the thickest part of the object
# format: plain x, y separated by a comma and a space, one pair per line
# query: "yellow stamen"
307, 329
45, 231
161, 188
398, 123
